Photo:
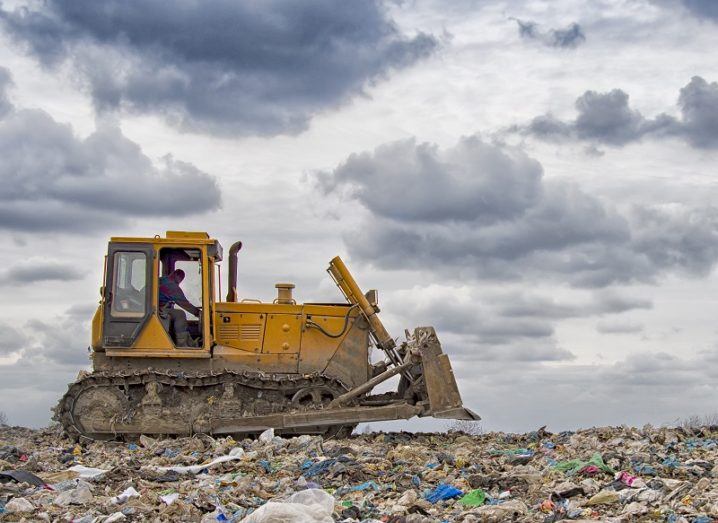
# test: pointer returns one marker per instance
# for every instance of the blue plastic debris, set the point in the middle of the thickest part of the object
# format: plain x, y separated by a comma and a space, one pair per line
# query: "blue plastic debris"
695, 443
265, 465
645, 469
442, 492
132, 446
416, 481
366, 486
320, 468
671, 462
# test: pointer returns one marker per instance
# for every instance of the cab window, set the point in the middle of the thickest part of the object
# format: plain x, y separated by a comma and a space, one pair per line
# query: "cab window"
129, 290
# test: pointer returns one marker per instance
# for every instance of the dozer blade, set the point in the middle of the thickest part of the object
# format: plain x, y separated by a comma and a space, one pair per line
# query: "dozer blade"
444, 398
318, 418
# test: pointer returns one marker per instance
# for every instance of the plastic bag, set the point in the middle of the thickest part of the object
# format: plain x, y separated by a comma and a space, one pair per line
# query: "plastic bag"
475, 498
306, 506
443, 491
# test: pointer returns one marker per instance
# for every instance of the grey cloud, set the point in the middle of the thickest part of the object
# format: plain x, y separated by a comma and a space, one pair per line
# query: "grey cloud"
478, 211
223, 67
645, 387
55, 341
10, 340
5, 82
52, 351
618, 327
699, 105
473, 318
477, 181
606, 118
63, 341
537, 306
603, 118
678, 237
473, 327
702, 8
52, 180
513, 326
81, 312
469, 351
58, 341
38, 271
568, 37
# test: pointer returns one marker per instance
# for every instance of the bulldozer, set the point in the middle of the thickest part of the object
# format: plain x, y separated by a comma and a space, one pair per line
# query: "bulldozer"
242, 366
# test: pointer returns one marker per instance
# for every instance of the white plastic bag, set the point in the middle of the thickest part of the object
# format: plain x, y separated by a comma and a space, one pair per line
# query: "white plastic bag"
87, 472
267, 436
306, 506
126, 494
235, 453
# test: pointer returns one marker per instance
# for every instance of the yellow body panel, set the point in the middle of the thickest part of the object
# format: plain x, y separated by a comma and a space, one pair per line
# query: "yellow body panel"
286, 363
242, 330
270, 337
154, 336
316, 347
96, 341
171, 237
168, 354
282, 334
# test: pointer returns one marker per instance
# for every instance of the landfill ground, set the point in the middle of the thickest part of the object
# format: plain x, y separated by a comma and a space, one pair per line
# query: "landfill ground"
606, 474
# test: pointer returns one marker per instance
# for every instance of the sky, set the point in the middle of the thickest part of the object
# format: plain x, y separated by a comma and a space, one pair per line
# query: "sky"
536, 179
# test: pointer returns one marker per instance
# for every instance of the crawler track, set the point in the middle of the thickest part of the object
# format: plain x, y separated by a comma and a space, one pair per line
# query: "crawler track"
106, 405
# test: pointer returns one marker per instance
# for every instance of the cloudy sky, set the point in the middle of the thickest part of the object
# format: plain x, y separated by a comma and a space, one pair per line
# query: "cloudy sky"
536, 179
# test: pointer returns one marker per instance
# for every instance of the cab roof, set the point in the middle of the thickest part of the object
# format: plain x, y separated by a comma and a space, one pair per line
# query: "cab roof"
197, 238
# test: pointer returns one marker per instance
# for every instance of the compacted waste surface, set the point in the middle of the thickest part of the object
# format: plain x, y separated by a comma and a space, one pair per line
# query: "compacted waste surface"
607, 474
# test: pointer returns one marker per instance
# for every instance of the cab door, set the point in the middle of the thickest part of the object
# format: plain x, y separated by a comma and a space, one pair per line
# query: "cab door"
128, 292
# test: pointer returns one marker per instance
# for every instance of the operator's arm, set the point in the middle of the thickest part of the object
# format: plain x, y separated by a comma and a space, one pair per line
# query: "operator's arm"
181, 300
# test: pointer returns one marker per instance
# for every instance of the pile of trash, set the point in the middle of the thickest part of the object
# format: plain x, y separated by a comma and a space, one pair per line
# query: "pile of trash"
607, 474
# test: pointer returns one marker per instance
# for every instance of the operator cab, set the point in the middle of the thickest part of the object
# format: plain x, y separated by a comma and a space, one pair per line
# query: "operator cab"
135, 311
190, 262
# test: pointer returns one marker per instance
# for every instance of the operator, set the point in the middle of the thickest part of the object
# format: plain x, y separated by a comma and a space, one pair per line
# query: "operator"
171, 293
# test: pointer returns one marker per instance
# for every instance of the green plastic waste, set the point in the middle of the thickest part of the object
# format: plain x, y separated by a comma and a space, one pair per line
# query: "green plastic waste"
474, 498
511, 452
575, 465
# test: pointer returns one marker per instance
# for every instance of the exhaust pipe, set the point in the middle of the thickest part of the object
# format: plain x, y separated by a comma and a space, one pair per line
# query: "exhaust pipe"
232, 277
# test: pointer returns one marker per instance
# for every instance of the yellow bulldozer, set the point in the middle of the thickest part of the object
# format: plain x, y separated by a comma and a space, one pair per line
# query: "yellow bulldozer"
241, 366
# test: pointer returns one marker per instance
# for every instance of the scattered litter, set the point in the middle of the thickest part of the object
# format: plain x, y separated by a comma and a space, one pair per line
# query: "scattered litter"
19, 505
267, 436
170, 498
81, 495
196, 469
306, 506
475, 498
87, 472
617, 474
22, 476
442, 492
126, 494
